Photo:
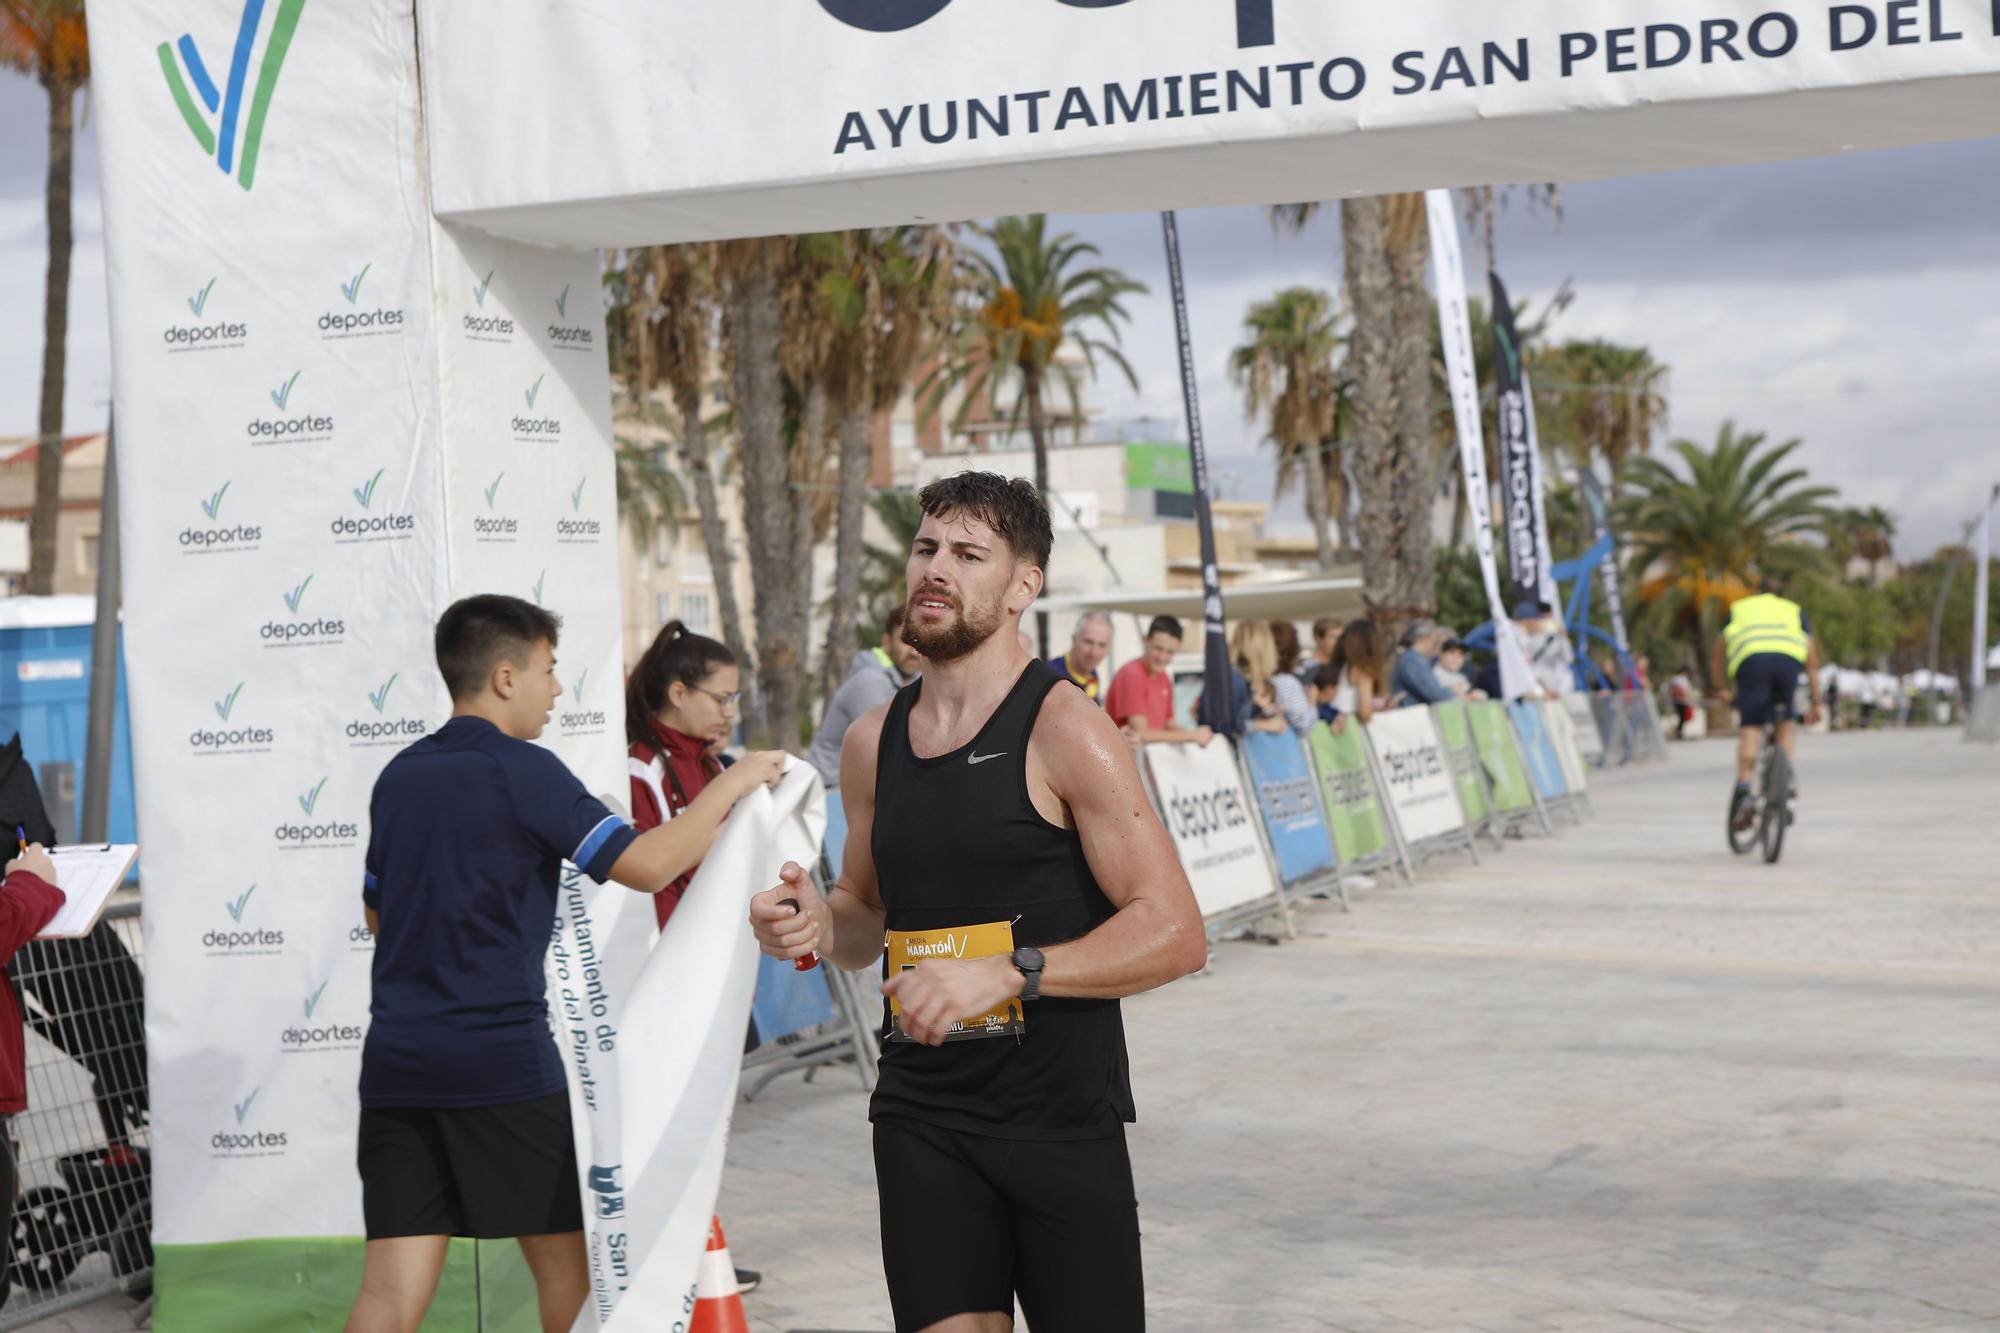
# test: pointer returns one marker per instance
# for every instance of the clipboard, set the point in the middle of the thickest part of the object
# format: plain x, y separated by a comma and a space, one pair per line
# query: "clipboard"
88, 876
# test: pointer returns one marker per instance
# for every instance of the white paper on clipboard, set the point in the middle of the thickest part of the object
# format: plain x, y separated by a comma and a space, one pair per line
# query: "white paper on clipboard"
88, 876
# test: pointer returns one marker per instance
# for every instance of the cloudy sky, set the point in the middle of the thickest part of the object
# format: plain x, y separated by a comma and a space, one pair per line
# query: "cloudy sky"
1853, 302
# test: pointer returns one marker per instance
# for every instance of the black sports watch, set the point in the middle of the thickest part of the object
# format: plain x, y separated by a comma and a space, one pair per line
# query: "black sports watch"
1028, 962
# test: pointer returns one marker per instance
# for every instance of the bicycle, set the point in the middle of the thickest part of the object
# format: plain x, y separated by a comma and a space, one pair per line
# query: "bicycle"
1769, 795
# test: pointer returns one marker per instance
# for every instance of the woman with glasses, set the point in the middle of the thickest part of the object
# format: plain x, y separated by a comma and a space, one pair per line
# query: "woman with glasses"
680, 706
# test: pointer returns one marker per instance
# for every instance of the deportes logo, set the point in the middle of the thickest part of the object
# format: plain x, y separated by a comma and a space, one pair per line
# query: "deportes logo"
285, 428
531, 429
215, 535
566, 336
204, 335
381, 727
578, 719
369, 525
238, 1140
312, 829
237, 133
1254, 26
492, 527
313, 1036
354, 320
230, 735
483, 327
237, 940
301, 631
579, 530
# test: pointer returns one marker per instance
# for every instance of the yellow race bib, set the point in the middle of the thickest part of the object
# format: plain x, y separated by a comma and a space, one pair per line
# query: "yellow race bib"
907, 948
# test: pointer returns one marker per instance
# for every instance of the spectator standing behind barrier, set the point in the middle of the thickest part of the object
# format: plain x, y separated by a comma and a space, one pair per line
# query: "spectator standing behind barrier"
1287, 686
29, 900
1680, 693
465, 1119
1450, 668
1141, 698
873, 677
1254, 660
1326, 634
1359, 663
1413, 680
1325, 690
1543, 643
1088, 647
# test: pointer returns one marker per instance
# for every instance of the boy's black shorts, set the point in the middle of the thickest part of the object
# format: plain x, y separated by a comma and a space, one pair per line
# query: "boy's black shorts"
488, 1172
969, 1221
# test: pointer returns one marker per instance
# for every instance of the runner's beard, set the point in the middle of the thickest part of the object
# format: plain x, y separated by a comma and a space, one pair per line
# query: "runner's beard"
948, 643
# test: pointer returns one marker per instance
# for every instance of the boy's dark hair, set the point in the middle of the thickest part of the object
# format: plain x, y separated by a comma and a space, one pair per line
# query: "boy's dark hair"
1326, 676
676, 654
1008, 505
1165, 625
476, 634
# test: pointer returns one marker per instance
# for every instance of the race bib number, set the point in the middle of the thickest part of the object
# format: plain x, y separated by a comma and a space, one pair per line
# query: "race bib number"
907, 948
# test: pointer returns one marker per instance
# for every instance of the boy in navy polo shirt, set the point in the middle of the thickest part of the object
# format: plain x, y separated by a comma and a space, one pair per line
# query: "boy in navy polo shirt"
465, 1125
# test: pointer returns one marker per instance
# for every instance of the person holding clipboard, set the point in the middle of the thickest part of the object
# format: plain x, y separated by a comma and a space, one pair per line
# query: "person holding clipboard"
29, 900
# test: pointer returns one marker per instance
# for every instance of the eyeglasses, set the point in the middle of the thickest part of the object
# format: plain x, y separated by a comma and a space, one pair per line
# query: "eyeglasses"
729, 700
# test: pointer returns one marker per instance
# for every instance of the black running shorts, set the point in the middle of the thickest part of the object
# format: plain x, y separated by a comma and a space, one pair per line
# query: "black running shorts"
1762, 679
489, 1172
969, 1221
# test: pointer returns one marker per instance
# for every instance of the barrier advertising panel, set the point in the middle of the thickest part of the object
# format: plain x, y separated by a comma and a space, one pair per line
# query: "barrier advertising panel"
1538, 749
1213, 824
1361, 833
1589, 738
1456, 730
1291, 808
1564, 740
1416, 776
1500, 753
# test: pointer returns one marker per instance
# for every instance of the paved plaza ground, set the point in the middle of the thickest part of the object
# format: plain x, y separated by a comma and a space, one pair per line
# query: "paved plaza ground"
1617, 1079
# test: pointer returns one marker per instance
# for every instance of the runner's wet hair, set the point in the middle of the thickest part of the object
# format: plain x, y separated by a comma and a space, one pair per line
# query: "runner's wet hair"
1008, 505
476, 634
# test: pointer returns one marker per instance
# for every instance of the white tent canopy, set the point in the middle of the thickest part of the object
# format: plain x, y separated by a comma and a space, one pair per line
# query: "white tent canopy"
638, 123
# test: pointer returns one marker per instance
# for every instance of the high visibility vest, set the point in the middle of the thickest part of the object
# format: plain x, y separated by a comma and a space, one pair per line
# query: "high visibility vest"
1766, 623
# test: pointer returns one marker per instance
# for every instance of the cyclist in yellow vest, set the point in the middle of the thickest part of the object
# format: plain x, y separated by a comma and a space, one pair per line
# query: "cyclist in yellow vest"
1766, 645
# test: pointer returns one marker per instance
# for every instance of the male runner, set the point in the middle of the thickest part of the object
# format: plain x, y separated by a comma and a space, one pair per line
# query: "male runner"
999, 833
1766, 646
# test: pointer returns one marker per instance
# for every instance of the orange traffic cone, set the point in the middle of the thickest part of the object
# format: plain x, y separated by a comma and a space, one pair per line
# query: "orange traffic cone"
717, 1307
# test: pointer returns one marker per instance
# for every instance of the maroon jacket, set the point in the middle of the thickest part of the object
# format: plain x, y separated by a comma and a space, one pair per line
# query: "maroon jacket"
27, 903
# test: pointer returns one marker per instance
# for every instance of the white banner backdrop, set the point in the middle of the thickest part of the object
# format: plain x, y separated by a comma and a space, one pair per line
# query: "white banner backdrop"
934, 110
1461, 370
323, 416
1212, 820
1416, 774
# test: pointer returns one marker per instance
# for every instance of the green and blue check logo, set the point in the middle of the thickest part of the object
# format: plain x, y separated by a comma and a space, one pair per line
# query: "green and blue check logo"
199, 301
242, 1108
365, 493
581, 681
562, 304
312, 1000
576, 496
538, 586
494, 489
221, 139
212, 506
297, 595
380, 696
351, 289
227, 703
535, 390
485, 285
235, 909
283, 393
310, 800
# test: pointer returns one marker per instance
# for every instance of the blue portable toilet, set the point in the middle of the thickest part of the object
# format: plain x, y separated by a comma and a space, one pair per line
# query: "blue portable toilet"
45, 696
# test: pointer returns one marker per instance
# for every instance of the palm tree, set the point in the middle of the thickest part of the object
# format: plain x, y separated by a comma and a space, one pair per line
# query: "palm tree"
46, 39
1020, 305
1286, 365
883, 581
1704, 538
1610, 401
885, 294
667, 336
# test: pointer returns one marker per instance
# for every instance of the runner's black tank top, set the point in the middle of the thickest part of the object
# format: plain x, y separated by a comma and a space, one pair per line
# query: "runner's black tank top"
959, 843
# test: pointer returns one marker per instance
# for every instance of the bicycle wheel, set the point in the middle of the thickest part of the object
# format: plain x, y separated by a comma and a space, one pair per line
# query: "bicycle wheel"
1777, 804
1742, 829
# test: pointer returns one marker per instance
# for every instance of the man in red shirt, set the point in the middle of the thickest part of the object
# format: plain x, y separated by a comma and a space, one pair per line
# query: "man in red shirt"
1141, 698
28, 901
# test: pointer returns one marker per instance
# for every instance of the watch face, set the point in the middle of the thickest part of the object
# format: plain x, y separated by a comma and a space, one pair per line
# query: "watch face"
1028, 958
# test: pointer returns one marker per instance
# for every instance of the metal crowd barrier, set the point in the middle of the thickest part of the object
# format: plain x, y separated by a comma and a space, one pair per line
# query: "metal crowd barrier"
81, 1225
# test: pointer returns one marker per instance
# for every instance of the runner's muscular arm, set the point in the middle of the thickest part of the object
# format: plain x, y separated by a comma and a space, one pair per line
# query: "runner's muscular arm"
845, 927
